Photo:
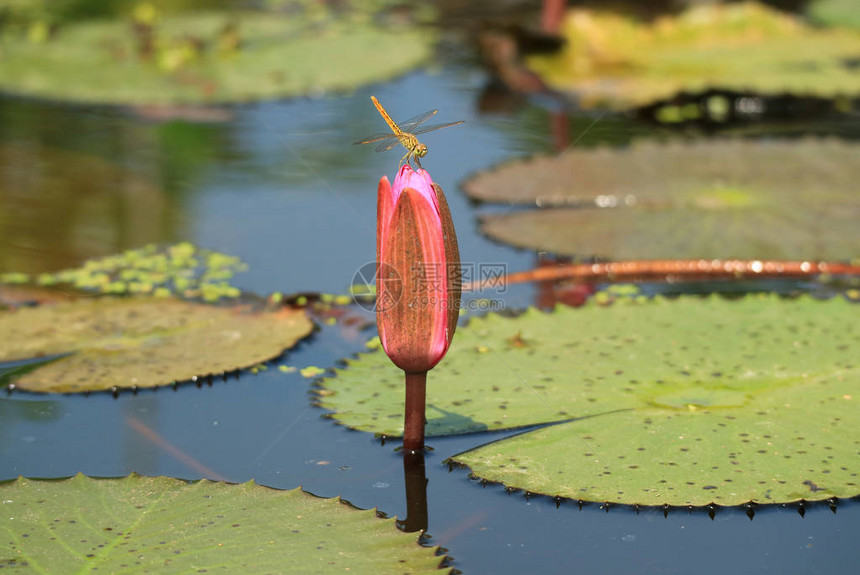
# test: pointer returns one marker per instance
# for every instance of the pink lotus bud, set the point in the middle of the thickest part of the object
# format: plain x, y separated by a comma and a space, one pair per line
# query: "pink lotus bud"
418, 280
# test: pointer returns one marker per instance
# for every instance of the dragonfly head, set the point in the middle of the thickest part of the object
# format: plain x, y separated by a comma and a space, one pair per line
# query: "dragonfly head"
420, 150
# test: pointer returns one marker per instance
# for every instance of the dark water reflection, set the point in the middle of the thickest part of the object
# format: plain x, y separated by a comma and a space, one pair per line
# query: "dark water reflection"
279, 185
77, 183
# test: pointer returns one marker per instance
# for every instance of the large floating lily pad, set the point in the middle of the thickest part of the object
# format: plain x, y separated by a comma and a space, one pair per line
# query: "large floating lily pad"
724, 199
681, 402
137, 343
769, 451
210, 58
612, 60
158, 524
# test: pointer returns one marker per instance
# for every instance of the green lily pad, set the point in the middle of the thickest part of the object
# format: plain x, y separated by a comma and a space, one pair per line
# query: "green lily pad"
834, 13
713, 200
683, 402
141, 342
147, 524
273, 55
612, 60
775, 449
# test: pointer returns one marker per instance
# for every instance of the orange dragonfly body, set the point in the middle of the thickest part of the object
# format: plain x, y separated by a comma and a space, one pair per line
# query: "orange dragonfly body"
404, 133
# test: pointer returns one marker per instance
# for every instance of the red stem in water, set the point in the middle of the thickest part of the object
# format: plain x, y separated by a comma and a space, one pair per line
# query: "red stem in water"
679, 270
413, 425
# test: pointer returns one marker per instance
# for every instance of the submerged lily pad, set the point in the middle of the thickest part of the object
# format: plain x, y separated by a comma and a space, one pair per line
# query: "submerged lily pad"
147, 524
682, 402
145, 342
723, 199
612, 60
210, 58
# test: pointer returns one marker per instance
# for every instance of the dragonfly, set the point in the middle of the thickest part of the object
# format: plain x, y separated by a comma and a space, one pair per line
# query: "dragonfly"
404, 133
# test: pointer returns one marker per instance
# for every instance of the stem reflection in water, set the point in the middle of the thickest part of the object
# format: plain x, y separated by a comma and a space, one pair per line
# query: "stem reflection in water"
415, 477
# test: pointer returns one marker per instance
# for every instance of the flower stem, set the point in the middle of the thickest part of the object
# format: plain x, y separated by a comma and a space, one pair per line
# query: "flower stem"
413, 425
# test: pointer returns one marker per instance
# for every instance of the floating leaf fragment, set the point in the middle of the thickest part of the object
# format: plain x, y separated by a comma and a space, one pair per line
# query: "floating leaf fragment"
311, 371
182, 269
14, 278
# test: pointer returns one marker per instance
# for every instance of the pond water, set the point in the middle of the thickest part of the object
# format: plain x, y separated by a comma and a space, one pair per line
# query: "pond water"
279, 185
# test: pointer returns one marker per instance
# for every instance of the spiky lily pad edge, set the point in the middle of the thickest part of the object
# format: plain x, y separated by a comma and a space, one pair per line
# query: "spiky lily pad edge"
11, 374
750, 508
208, 379
241, 496
81, 476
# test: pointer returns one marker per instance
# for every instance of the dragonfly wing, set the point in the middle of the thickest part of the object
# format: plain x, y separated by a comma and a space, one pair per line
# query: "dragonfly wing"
376, 138
426, 129
411, 123
385, 146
